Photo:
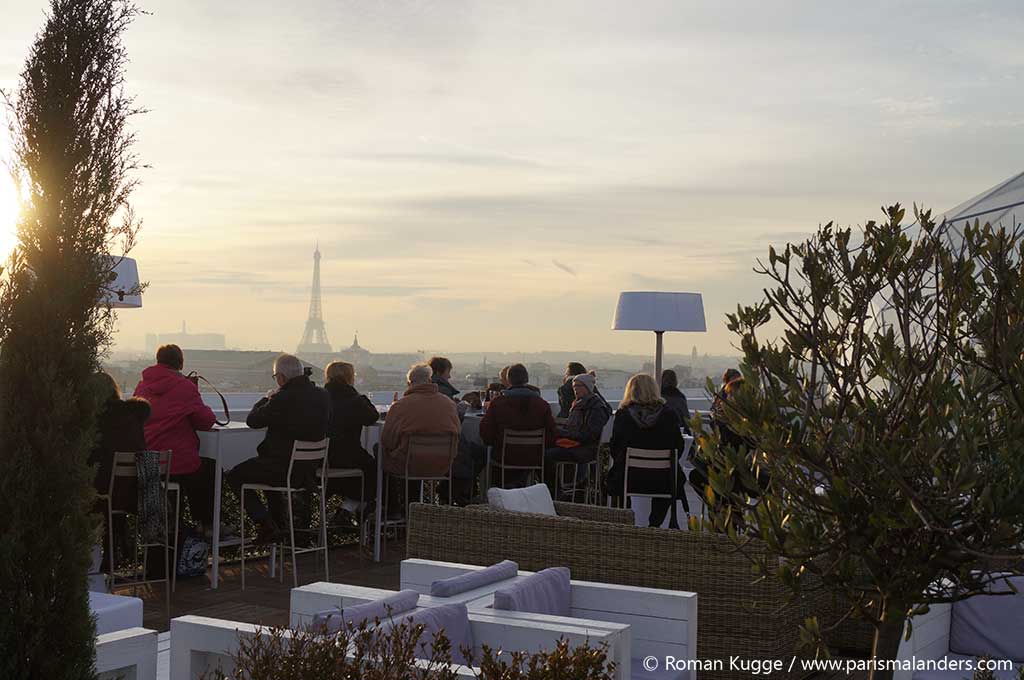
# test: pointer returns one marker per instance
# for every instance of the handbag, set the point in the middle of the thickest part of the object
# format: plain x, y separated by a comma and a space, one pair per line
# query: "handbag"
195, 378
192, 556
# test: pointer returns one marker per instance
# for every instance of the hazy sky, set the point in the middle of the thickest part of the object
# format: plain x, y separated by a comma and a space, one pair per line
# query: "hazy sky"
489, 175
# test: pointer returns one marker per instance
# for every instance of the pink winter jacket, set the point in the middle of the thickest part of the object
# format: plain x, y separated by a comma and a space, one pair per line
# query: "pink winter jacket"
178, 411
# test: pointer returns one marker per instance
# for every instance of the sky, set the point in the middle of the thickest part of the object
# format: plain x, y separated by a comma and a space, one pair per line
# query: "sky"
490, 175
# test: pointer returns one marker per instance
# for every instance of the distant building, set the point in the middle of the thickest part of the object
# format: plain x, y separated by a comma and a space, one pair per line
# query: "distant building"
228, 370
185, 340
355, 355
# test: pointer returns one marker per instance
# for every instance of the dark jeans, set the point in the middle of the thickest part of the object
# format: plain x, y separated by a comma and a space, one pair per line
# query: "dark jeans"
197, 488
265, 470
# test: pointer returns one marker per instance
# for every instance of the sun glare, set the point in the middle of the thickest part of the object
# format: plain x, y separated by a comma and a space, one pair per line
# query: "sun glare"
8, 204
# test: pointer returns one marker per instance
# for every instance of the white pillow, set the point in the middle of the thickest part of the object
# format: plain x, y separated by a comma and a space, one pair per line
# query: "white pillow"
535, 499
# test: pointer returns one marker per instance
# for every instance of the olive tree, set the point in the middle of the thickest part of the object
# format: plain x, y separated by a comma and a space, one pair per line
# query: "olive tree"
73, 165
881, 417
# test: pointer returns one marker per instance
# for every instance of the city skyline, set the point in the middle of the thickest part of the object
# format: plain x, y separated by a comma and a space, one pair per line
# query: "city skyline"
485, 175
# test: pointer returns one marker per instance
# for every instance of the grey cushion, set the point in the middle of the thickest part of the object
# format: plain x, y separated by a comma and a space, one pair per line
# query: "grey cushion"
546, 592
453, 620
115, 612
638, 672
960, 674
990, 625
536, 499
335, 619
474, 579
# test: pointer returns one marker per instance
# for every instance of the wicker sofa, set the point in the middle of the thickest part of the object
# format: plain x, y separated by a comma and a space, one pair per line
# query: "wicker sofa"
737, 614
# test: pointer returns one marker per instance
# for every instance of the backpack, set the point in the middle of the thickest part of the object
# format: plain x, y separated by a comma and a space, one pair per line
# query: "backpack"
192, 555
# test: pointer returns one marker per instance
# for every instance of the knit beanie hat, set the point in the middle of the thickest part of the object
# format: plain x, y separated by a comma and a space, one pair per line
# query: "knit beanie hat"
588, 380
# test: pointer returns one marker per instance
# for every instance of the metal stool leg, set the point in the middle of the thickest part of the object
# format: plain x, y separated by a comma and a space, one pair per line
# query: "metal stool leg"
291, 532
241, 530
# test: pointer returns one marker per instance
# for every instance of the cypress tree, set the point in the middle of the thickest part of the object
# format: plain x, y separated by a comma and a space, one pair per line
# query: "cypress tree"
73, 164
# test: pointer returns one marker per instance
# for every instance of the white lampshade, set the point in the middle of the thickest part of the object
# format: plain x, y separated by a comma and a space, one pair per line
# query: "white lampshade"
122, 292
649, 311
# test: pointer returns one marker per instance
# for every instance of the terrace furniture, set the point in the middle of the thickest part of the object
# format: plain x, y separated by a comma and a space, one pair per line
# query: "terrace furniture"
302, 452
535, 498
126, 654
227, 447
662, 623
737, 611
350, 473
641, 461
124, 467
520, 450
199, 644
318, 598
123, 646
429, 458
115, 612
981, 626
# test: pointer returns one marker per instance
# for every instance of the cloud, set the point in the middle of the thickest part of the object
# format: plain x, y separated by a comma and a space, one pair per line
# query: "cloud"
564, 267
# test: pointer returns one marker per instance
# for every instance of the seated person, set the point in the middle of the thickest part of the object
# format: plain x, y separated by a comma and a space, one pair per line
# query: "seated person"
565, 391
350, 413
120, 425
423, 409
503, 378
296, 410
732, 382
580, 436
645, 421
519, 407
178, 412
441, 375
674, 398
472, 401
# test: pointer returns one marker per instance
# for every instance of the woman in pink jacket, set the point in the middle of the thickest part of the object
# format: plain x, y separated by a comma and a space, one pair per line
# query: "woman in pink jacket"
177, 412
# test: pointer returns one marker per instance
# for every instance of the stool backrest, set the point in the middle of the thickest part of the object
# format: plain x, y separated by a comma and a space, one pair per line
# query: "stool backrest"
652, 464
522, 449
430, 456
309, 452
124, 466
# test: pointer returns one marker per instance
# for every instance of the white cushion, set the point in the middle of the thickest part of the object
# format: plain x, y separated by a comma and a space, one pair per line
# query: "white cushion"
115, 612
535, 499
990, 625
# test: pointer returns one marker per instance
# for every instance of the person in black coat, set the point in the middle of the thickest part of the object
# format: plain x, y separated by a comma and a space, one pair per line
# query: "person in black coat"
120, 424
674, 398
566, 395
297, 410
350, 413
644, 421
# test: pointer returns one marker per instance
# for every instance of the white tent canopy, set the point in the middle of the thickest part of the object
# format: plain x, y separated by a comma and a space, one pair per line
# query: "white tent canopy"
1002, 204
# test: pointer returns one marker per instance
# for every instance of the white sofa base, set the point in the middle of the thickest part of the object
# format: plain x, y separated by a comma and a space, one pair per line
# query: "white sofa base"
129, 653
199, 644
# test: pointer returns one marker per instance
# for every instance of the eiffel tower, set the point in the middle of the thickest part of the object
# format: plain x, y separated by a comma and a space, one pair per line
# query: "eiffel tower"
314, 338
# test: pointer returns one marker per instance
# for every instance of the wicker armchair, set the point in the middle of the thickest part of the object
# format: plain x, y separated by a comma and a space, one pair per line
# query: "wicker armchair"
738, 614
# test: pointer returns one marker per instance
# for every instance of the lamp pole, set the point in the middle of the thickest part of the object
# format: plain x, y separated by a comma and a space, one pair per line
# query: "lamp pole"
658, 346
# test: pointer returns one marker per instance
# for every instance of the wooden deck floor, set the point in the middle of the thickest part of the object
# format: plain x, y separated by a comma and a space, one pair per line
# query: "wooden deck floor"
265, 600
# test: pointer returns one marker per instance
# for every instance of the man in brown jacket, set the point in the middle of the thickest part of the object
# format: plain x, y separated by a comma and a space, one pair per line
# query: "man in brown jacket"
422, 410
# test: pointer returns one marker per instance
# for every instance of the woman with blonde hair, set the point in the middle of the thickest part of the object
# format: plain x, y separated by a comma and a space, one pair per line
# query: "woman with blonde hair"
350, 412
644, 421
